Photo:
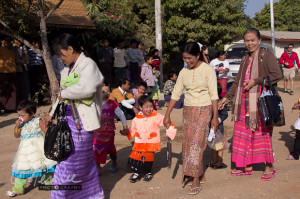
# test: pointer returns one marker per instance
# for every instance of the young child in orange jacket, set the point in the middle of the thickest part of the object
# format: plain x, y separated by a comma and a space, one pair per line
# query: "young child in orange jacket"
145, 128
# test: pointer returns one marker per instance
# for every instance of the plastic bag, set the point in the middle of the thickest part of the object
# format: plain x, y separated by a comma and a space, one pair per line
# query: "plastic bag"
218, 143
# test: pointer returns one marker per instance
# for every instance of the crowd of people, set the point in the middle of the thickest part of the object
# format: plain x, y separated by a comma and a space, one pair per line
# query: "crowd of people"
200, 88
126, 61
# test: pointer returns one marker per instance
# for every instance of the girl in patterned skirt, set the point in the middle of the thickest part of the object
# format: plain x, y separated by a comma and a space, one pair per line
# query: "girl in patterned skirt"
105, 135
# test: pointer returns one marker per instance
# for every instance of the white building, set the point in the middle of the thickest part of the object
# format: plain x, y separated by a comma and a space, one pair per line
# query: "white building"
282, 40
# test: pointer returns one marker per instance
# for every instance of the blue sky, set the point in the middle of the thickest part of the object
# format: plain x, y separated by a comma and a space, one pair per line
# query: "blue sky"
254, 6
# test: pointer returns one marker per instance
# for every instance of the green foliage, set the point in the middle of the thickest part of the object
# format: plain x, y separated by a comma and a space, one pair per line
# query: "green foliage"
42, 96
22, 17
286, 16
211, 22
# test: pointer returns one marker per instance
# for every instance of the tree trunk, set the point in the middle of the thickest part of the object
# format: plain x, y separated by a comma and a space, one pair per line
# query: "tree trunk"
54, 87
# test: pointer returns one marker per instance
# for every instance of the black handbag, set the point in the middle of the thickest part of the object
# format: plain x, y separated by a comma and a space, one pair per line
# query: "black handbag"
270, 105
58, 139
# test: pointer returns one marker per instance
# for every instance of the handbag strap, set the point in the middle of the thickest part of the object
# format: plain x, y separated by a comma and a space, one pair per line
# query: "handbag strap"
271, 86
263, 85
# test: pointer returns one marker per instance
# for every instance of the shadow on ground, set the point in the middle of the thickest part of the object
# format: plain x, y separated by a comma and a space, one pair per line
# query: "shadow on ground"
288, 137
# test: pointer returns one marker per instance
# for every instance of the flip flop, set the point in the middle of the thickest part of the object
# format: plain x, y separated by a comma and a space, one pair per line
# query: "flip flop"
248, 172
201, 182
198, 189
290, 157
268, 178
237, 173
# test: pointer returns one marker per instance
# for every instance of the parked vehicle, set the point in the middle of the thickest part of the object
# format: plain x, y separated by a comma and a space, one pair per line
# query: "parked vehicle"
234, 55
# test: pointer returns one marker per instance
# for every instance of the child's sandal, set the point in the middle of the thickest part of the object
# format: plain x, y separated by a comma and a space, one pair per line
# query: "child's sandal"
12, 193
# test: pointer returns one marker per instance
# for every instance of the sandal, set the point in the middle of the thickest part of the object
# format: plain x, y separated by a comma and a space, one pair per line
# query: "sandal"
134, 177
290, 157
190, 183
194, 191
237, 172
148, 177
248, 172
12, 193
270, 177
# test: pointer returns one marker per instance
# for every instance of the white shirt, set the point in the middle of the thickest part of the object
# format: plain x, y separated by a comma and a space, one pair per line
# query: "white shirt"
127, 103
119, 55
215, 63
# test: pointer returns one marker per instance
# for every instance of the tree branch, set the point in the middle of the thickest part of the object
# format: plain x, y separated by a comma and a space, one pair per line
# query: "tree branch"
21, 39
54, 8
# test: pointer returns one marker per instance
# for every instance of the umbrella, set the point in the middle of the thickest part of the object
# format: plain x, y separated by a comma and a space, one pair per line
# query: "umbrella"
169, 153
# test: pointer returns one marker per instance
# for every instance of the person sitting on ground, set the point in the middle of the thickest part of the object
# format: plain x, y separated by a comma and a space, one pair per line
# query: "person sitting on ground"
138, 92
168, 89
125, 99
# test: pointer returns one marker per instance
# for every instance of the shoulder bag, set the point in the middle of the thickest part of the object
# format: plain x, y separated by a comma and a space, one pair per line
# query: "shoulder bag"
270, 105
58, 139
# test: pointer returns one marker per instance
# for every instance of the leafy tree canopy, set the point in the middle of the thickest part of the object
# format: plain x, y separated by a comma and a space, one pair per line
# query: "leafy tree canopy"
123, 19
22, 17
212, 22
286, 16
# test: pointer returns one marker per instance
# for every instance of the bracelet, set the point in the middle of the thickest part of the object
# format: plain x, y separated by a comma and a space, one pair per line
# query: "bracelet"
125, 127
17, 130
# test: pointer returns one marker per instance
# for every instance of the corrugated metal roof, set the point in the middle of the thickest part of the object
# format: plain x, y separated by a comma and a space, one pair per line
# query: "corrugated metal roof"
282, 35
70, 14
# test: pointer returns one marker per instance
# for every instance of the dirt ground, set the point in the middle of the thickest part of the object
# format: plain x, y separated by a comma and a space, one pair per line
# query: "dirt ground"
166, 184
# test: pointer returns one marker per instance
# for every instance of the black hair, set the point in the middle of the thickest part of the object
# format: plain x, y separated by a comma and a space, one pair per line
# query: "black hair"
219, 53
144, 99
193, 49
154, 51
123, 81
147, 57
252, 30
120, 41
151, 49
171, 74
144, 84
64, 41
28, 106
133, 41
291, 45
203, 48
219, 87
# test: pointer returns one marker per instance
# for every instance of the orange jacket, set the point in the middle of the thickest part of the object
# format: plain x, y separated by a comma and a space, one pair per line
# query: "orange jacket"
146, 131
